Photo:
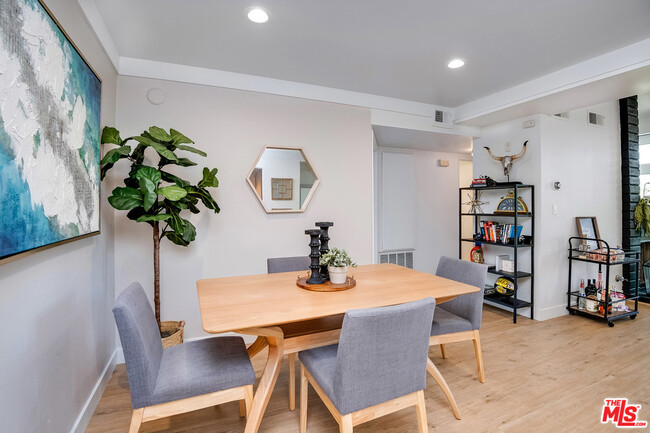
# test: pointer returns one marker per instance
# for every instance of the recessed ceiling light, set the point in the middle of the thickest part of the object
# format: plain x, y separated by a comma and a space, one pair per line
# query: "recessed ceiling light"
455, 63
258, 15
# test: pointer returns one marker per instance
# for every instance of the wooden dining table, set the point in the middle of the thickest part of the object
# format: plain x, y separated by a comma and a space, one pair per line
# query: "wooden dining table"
288, 319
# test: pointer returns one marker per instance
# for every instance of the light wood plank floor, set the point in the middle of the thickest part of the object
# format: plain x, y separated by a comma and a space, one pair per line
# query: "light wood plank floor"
547, 376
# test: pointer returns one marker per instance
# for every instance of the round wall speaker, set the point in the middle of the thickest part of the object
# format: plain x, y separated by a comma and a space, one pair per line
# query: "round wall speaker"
156, 96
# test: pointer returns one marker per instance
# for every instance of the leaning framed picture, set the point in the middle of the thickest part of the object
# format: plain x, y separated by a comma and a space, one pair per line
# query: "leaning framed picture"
281, 189
49, 133
588, 228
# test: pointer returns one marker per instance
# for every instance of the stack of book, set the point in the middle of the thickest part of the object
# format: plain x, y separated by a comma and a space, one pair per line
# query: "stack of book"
483, 182
478, 183
492, 231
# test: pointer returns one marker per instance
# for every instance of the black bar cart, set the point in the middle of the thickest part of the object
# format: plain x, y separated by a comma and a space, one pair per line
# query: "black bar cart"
605, 257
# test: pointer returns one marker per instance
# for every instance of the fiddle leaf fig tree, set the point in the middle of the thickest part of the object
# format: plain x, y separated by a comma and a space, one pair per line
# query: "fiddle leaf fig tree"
153, 195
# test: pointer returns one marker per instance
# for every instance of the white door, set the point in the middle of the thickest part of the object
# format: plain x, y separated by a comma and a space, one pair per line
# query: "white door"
397, 202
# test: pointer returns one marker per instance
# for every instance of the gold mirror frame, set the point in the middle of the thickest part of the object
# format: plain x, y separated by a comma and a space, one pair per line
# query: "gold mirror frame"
311, 191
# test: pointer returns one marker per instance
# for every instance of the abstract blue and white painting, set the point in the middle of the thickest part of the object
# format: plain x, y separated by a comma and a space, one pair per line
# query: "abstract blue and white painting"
49, 133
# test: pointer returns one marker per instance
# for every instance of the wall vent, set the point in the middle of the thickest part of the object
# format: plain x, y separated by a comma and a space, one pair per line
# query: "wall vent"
401, 258
442, 118
596, 119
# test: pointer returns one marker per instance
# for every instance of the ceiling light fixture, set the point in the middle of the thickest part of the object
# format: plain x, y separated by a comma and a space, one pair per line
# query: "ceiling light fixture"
455, 63
257, 15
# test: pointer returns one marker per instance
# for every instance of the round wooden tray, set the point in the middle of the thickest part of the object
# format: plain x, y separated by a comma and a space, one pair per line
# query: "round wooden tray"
326, 286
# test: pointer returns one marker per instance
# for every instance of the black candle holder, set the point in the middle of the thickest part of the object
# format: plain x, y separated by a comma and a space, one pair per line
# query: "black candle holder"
324, 247
315, 277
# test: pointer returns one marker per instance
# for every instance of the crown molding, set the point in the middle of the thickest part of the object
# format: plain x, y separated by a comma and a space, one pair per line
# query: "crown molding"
232, 80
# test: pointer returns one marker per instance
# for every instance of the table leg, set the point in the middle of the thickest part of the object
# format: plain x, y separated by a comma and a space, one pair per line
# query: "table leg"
257, 346
266, 385
435, 373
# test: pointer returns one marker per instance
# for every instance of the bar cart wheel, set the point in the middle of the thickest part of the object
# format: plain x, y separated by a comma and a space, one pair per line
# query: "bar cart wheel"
611, 324
571, 312
633, 317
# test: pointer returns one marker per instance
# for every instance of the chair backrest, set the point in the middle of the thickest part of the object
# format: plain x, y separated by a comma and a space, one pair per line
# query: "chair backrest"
141, 343
382, 354
468, 306
287, 264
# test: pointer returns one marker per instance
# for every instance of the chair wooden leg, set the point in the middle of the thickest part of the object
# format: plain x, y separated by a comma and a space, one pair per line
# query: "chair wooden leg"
443, 351
421, 411
433, 371
304, 387
479, 357
248, 399
292, 381
242, 408
346, 424
136, 420
266, 385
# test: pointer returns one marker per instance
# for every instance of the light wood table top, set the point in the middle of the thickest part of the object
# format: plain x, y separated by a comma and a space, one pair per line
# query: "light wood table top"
234, 303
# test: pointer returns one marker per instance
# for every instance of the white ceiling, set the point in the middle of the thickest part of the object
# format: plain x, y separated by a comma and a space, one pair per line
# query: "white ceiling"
388, 48
423, 140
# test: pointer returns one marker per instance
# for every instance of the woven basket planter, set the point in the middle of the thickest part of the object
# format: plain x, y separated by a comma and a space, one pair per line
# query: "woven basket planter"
172, 333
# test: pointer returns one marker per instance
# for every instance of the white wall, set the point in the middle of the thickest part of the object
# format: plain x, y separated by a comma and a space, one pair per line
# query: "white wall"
527, 170
586, 160
435, 206
57, 325
232, 126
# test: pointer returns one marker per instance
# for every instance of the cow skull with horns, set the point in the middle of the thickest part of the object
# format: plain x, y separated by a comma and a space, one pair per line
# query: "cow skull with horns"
507, 160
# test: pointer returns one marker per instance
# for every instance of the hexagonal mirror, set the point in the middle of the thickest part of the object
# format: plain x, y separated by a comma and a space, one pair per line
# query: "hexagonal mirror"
283, 179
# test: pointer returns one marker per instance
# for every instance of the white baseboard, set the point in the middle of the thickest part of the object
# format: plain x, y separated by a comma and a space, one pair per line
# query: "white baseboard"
248, 339
87, 411
551, 312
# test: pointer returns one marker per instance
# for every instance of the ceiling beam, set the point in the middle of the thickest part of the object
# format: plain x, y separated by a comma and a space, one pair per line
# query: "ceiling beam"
520, 100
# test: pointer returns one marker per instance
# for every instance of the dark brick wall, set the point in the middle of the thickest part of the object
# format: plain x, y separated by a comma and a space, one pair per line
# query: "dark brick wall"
630, 179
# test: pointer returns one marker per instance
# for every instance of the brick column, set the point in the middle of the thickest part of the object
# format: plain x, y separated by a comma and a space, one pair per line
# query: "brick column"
630, 172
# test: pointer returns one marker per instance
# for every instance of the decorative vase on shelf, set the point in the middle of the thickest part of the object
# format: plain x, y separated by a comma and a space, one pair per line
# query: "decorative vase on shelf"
338, 274
476, 255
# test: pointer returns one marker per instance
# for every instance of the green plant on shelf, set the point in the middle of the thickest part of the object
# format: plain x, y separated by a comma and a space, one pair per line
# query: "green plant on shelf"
642, 216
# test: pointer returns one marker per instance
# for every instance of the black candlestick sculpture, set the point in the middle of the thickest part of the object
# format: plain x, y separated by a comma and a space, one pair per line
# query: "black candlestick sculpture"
324, 247
315, 277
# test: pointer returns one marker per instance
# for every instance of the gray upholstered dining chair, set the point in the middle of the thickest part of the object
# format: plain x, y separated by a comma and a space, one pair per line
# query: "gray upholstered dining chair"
378, 367
182, 378
460, 318
289, 264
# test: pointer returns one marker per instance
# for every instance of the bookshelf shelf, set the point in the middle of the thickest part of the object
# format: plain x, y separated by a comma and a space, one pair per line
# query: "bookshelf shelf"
499, 244
506, 215
513, 303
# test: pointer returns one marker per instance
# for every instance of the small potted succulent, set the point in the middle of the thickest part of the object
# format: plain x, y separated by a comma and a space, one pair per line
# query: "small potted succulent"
337, 262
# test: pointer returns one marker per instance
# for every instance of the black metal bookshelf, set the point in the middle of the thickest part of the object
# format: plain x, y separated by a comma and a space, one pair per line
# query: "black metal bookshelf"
511, 303
631, 258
